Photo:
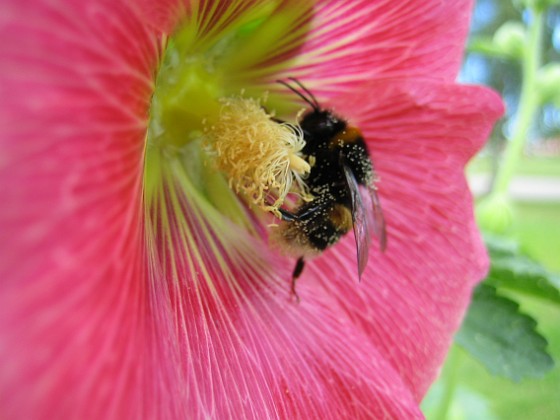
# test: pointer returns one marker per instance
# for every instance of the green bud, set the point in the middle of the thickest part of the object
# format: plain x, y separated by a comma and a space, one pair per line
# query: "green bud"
510, 39
494, 214
548, 83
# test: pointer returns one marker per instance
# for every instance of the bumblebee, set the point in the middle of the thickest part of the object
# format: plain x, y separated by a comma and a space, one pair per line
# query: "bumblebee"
340, 165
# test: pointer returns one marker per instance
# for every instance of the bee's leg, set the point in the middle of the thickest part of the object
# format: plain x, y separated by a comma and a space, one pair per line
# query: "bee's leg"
298, 269
290, 217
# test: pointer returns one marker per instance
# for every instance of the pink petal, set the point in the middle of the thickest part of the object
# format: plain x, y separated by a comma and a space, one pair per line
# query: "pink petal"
111, 311
75, 84
345, 349
352, 42
242, 348
161, 15
93, 323
332, 45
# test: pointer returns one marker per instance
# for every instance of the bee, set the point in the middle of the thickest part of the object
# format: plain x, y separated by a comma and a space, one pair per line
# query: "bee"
340, 165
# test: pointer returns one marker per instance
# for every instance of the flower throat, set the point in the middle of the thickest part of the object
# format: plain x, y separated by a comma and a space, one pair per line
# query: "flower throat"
208, 111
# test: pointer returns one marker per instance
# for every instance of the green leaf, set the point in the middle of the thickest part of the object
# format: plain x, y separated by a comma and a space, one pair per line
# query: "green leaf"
503, 339
512, 270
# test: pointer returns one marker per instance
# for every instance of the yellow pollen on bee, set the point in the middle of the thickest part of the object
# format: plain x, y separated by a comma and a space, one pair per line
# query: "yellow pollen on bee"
261, 157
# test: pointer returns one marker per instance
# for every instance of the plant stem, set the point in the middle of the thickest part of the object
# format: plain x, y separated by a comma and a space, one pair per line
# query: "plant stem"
528, 104
449, 383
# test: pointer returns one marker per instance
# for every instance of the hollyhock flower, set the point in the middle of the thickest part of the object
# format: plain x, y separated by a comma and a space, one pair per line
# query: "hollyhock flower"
135, 283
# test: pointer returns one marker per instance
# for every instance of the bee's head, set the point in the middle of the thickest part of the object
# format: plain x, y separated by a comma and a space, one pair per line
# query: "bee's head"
320, 123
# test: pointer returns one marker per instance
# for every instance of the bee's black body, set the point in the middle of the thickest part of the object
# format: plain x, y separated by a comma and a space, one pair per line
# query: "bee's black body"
328, 142
339, 162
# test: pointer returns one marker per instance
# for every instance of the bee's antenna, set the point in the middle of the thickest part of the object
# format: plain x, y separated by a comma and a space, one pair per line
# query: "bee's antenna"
313, 98
313, 102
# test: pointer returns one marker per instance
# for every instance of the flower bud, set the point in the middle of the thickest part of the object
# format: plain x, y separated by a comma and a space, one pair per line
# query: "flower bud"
548, 83
494, 214
510, 39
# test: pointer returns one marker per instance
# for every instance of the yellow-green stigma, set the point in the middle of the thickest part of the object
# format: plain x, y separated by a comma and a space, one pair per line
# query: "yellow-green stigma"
260, 157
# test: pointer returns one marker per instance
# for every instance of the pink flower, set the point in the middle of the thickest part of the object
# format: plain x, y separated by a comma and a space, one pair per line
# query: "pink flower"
134, 284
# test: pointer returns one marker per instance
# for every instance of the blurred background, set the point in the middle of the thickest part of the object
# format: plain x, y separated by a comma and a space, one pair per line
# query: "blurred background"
522, 208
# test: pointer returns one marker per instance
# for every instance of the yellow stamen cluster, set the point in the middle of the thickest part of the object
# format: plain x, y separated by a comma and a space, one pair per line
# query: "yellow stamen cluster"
260, 157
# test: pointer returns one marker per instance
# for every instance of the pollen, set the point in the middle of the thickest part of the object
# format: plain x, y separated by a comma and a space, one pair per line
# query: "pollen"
260, 156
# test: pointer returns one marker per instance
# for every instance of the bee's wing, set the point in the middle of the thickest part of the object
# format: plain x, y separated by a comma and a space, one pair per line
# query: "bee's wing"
379, 228
359, 218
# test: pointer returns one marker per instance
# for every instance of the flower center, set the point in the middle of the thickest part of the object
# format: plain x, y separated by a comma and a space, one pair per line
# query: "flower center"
206, 115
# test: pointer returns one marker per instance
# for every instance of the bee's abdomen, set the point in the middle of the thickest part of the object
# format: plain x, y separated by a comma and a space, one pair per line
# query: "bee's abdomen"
326, 229
312, 235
